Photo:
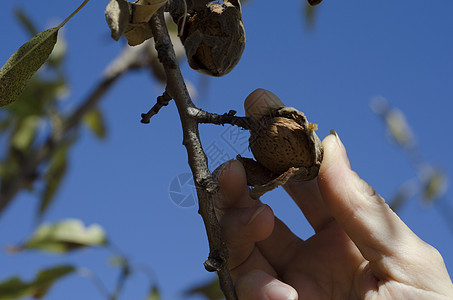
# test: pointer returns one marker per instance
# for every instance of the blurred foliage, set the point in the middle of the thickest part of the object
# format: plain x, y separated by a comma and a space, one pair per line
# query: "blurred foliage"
209, 290
153, 294
15, 288
63, 237
95, 121
68, 236
434, 186
36, 118
431, 182
29, 58
38, 135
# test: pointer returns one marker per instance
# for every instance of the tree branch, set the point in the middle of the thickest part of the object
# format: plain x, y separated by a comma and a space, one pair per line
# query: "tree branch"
227, 118
161, 102
204, 182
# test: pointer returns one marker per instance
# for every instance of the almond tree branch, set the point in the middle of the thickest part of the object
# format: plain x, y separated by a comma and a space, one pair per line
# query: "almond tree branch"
227, 118
206, 186
161, 102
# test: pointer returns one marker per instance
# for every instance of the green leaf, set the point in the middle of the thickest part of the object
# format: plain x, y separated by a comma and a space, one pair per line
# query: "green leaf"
65, 236
210, 290
399, 128
46, 278
26, 61
15, 288
24, 135
434, 186
153, 294
95, 121
58, 54
54, 176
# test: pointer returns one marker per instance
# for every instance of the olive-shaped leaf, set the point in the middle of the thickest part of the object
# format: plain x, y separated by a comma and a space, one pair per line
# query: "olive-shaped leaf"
15, 288
47, 277
27, 60
54, 176
95, 121
64, 236
24, 63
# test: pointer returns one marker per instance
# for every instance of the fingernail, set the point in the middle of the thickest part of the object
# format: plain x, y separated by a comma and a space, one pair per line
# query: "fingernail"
341, 147
256, 213
224, 170
280, 292
334, 133
260, 103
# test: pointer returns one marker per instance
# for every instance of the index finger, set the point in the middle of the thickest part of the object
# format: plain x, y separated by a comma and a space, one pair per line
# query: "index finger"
363, 214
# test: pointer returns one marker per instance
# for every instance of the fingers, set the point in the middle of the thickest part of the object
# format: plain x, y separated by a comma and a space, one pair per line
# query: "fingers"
233, 186
280, 247
258, 285
242, 227
307, 196
376, 230
244, 221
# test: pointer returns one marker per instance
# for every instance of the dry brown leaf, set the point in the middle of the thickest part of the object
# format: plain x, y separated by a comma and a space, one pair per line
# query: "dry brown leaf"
132, 19
139, 29
137, 34
117, 15
143, 10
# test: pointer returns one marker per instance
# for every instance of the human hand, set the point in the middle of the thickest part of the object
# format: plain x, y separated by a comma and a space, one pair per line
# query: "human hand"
360, 250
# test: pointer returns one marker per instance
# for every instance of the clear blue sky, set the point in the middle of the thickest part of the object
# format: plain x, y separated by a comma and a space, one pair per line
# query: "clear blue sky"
402, 50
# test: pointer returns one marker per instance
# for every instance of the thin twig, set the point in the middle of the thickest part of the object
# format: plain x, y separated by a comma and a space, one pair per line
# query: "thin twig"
124, 275
204, 182
227, 118
161, 102
93, 278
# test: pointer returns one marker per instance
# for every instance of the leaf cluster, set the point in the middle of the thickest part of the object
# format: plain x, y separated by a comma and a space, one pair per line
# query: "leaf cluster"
63, 237
37, 119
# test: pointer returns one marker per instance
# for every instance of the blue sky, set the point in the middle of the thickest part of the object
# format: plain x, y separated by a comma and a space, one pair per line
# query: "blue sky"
357, 50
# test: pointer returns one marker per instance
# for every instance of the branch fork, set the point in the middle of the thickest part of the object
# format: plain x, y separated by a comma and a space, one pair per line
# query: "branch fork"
190, 117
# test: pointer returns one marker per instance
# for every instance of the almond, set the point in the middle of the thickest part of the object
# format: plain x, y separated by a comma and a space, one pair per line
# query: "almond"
214, 37
283, 138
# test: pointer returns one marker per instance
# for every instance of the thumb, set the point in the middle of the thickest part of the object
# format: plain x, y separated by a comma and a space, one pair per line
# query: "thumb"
362, 213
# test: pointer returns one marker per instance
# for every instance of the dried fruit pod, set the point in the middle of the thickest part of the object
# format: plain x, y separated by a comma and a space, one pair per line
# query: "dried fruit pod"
283, 138
314, 2
214, 38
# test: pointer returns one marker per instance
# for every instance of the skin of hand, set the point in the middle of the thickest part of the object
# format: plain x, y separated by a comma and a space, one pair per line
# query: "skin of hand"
360, 250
